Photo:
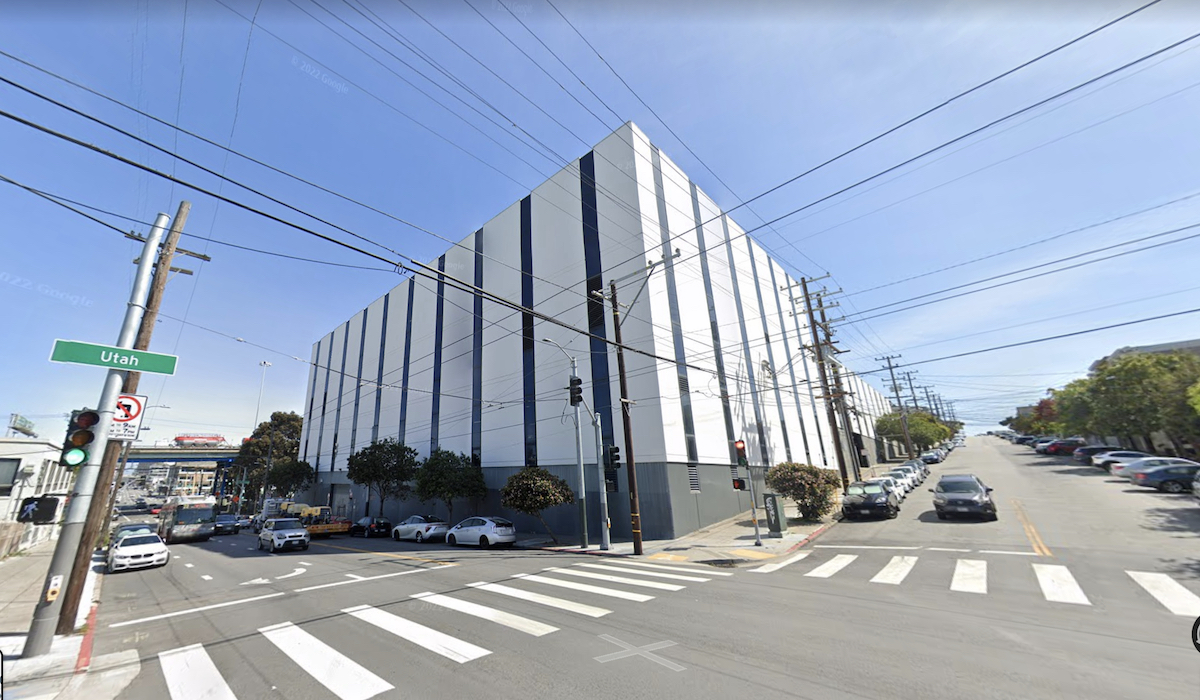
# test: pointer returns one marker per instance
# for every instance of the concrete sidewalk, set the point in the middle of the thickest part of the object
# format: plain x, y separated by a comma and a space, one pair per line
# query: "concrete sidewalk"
61, 672
730, 542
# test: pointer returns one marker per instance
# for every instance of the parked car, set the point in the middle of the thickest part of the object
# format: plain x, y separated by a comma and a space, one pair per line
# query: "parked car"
919, 464
1114, 462
1039, 445
1084, 454
906, 479
917, 474
137, 551
244, 521
1196, 486
1063, 447
131, 529
226, 525
931, 457
1024, 439
867, 499
891, 485
485, 531
963, 494
283, 533
1170, 474
371, 527
421, 528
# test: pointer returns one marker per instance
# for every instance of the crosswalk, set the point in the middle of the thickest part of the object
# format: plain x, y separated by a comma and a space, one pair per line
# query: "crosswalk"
1055, 582
582, 589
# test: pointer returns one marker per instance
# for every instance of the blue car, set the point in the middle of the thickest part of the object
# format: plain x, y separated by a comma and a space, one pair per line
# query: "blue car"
1175, 478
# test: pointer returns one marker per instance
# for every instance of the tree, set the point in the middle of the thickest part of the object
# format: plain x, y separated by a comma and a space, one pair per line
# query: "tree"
534, 489
1076, 415
812, 488
1193, 395
385, 468
291, 476
277, 438
924, 429
445, 476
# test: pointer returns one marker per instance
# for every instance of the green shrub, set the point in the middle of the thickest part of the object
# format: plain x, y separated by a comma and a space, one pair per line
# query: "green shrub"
812, 488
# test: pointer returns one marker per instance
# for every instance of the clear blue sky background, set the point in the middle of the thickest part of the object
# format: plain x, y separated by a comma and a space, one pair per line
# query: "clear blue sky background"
760, 93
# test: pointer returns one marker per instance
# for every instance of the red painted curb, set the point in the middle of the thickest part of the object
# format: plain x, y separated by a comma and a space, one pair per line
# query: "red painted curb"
816, 533
85, 649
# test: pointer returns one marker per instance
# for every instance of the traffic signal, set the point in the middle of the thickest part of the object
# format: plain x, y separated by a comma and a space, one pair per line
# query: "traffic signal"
81, 433
576, 390
612, 457
739, 484
39, 510
740, 446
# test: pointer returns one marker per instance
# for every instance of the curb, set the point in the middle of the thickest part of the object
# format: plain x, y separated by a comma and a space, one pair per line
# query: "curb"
815, 534
558, 550
85, 649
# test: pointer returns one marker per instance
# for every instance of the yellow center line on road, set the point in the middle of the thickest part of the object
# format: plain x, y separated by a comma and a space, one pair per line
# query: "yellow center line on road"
382, 554
1035, 539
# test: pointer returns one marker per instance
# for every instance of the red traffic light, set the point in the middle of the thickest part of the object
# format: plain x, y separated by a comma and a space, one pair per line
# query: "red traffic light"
87, 419
740, 445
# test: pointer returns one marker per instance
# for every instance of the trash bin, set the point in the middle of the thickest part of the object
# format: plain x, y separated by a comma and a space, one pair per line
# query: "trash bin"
776, 520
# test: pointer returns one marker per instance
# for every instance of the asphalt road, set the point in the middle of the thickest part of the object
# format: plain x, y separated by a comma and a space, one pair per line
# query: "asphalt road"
349, 619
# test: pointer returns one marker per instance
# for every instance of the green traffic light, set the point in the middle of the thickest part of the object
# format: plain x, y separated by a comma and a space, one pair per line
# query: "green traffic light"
74, 457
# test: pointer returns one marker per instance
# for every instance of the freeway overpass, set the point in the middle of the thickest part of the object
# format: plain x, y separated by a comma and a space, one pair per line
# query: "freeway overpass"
183, 454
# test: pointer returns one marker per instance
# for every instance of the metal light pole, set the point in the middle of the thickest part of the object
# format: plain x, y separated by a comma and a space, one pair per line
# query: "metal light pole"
604, 525
264, 364
583, 532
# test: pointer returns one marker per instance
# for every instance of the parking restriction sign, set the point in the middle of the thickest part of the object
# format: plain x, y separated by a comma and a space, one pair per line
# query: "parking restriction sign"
127, 419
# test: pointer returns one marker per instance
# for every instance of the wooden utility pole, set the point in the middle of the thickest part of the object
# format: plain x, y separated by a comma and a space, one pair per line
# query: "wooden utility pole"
903, 410
819, 352
635, 515
99, 513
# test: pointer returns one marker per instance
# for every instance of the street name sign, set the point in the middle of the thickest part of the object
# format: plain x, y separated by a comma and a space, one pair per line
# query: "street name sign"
127, 419
80, 353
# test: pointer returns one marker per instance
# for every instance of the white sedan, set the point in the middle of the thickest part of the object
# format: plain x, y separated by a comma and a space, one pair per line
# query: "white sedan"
421, 528
136, 551
483, 531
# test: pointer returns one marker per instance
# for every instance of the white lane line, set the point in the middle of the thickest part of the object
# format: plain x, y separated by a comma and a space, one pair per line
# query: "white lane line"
832, 566
1169, 592
356, 577
1058, 585
776, 566
970, 576
654, 574
863, 546
431, 639
664, 567
372, 578
250, 548
549, 601
305, 563
206, 577
189, 611
343, 676
1004, 551
586, 588
175, 557
946, 549
895, 571
191, 675
618, 579
189, 565
521, 624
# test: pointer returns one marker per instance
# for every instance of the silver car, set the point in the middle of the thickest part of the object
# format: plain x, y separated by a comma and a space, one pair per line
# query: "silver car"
1114, 462
421, 528
283, 533
891, 485
484, 531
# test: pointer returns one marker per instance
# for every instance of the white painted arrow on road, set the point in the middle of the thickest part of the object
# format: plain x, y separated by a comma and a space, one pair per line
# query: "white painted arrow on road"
297, 572
255, 581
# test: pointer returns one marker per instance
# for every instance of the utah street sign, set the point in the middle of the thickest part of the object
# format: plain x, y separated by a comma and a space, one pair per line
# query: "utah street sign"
79, 353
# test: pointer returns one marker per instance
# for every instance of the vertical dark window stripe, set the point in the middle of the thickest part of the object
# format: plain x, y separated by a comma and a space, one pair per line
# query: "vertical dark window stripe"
477, 356
362, 348
808, 382
438, 327
787, 348
527, 344
737, 300
312, 398
601, 382
718, 353
407, 355
337, 416
685, 396
379, 374
325, 398
762, 311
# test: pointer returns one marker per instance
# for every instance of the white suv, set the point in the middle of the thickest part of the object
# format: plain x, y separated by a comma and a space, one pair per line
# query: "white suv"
283, 533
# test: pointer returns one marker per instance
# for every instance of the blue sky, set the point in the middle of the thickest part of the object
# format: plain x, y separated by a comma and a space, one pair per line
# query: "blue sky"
760, 93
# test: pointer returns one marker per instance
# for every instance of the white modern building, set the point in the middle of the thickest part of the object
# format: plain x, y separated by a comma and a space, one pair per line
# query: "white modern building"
720, 327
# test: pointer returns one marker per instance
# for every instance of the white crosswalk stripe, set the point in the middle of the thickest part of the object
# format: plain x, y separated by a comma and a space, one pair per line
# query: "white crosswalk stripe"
429, 638
540, 599
339, 673
1058, 585
586, 588
191, 675
654, 574
970, 576
776, 566
658, 585
664, 567
1169, 592
832, 566
895, 571
521, 624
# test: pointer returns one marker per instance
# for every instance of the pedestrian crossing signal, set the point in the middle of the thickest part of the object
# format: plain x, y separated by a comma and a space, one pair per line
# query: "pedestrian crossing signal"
739, 484
39, 510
